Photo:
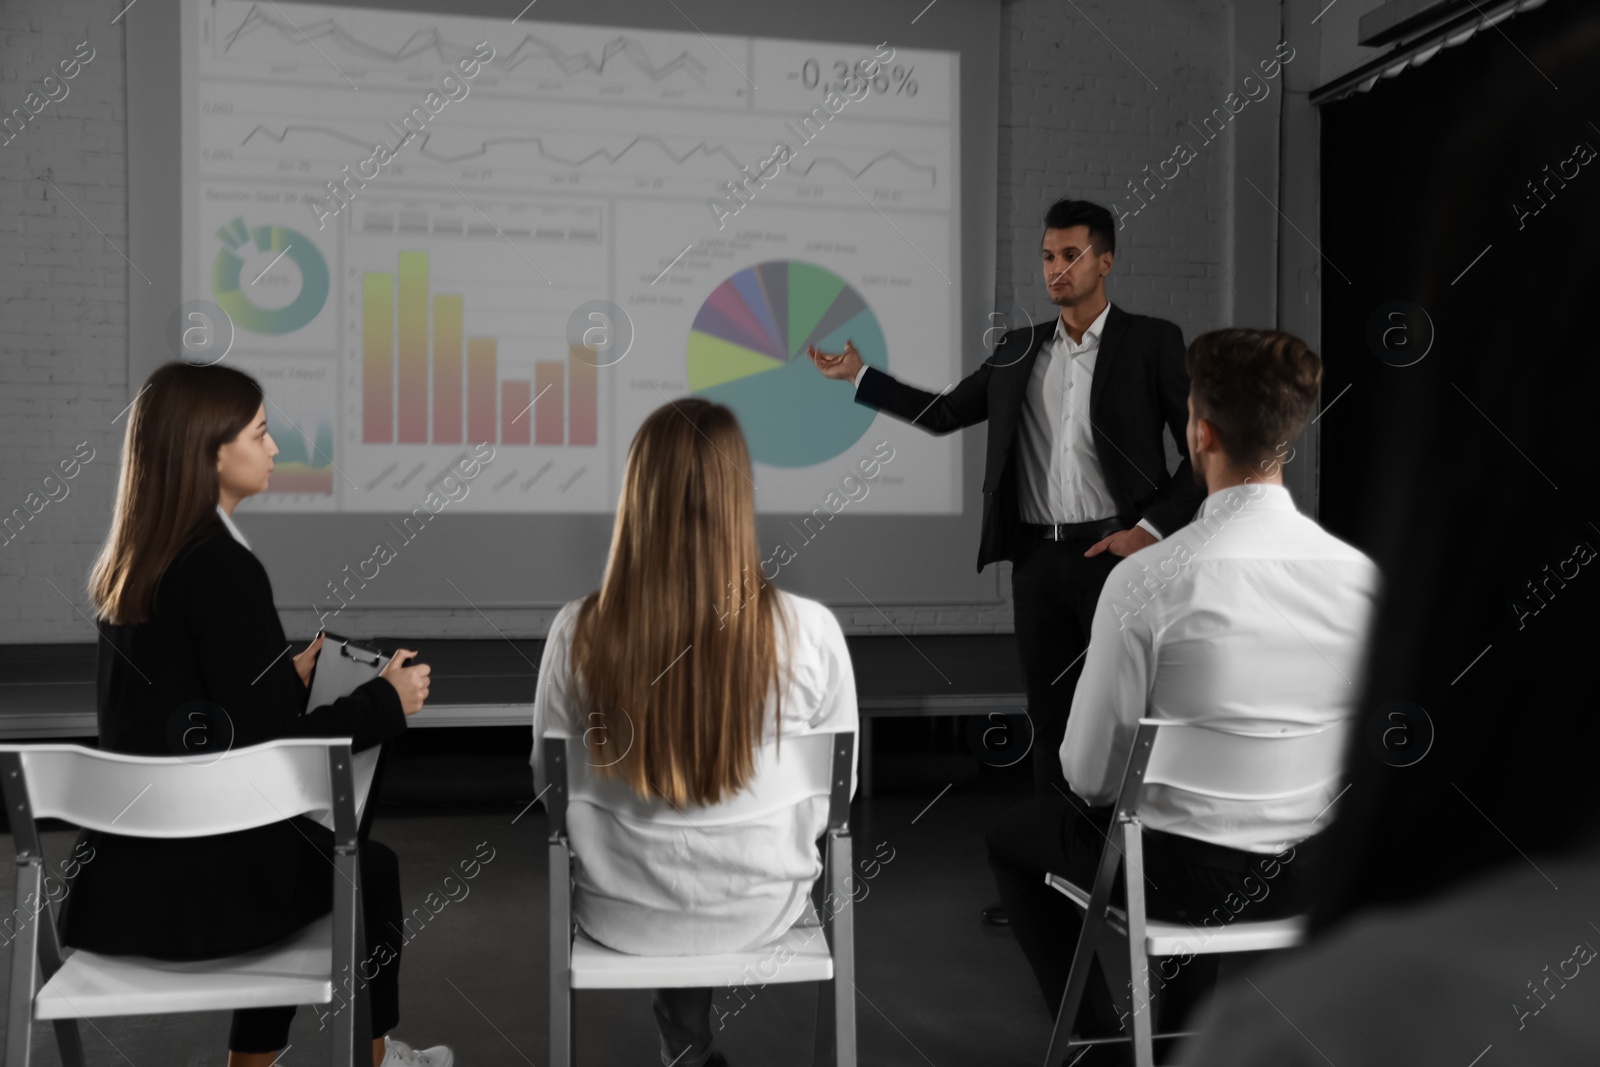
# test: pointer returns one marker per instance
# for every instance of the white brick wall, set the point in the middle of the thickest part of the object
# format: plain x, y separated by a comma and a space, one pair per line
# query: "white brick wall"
1076, 117
63, 310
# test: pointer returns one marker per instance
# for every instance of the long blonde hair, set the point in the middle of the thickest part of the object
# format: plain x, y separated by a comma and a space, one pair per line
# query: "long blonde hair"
676, 652
168, 486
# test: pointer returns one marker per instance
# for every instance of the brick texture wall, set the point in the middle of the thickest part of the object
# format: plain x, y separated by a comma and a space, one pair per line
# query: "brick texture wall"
1091, 92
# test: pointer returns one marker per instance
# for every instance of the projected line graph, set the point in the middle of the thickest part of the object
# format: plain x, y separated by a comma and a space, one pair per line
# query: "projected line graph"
704, 149
530, 49
258, 22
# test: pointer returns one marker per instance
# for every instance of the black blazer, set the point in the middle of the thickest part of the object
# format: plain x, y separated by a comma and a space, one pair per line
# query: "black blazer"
1139, 385
215, 641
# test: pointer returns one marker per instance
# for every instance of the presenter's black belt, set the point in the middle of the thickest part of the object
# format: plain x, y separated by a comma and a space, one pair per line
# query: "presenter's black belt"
1075, 531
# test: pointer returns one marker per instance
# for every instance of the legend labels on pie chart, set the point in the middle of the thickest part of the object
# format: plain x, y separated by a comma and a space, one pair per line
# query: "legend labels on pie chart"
747, 349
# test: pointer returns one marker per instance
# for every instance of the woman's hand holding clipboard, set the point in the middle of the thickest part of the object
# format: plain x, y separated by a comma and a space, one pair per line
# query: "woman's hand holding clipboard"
410, 682
351, 665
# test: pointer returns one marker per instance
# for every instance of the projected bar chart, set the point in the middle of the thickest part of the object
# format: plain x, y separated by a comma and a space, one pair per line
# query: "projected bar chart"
425, 379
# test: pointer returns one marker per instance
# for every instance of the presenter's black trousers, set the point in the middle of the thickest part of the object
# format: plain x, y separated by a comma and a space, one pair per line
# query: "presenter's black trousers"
1054, 590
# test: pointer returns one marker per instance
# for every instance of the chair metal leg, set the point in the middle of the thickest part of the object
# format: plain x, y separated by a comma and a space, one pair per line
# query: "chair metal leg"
843, 945
1138, 962
361, 1006
1077, 982
69, 1039
825, 1050
563, 1044
24, 968
1111, 950
835, 1036
347, 1040
1094, 921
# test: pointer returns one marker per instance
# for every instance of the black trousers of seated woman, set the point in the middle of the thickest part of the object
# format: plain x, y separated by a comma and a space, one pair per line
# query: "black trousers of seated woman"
1186, 880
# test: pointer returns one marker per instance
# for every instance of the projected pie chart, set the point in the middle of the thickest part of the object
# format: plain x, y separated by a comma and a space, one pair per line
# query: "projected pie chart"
747, 349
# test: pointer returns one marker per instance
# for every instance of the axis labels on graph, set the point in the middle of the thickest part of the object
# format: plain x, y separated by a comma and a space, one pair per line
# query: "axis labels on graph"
747, 349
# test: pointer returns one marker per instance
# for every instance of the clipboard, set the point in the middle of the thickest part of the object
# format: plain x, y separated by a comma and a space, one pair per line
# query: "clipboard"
342, 665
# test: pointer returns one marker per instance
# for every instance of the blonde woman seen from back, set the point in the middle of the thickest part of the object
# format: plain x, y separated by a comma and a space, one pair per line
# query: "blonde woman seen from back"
676, 670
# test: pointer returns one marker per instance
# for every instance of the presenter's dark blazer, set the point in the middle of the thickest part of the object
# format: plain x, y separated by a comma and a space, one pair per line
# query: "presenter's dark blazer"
215, 641
1139, 386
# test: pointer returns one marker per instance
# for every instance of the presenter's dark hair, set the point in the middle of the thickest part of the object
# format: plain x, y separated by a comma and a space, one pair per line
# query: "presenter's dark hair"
168, 486
1067, 213
1255, 387
675, 654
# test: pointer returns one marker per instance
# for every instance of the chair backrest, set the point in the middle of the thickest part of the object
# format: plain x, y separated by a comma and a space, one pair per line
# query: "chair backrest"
786, 772
1269, 762
175, 797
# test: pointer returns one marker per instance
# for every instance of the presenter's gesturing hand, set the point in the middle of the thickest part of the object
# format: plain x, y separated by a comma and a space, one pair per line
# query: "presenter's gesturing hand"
410, 682
844, 365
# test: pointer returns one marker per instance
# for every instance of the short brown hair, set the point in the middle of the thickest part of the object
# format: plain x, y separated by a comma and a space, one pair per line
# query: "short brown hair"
1256, 387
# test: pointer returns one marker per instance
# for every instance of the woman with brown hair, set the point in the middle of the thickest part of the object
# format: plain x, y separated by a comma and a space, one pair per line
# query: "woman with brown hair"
676, 671
191, 663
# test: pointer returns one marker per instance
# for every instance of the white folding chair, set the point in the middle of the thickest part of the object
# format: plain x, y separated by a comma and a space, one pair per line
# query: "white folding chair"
178, 797
1210, 761
813, 765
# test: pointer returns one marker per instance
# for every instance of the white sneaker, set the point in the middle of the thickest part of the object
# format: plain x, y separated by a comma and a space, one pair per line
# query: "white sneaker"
397, 1053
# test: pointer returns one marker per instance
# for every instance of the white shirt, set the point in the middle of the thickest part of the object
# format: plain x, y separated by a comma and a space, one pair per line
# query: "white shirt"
663, 891
1061, 477
1062, 481
1251, 614
227, 520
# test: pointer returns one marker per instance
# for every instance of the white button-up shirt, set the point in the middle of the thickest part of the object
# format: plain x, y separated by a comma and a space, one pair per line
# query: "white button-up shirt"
1061, 477
1251, 616
1062, 481
657, 889
227, 520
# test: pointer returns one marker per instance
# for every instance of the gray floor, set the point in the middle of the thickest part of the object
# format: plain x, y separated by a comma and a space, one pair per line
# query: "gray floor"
935, 986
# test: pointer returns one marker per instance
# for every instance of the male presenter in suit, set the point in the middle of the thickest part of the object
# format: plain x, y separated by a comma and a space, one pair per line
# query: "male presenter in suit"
1076, 473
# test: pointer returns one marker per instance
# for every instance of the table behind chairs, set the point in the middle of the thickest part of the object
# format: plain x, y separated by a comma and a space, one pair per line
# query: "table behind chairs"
47, 690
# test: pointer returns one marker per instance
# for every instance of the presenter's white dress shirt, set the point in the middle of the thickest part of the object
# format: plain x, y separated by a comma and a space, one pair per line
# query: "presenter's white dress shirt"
1061, 478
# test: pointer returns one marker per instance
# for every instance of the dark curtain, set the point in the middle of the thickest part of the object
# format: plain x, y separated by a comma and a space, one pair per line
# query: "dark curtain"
1470, 474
